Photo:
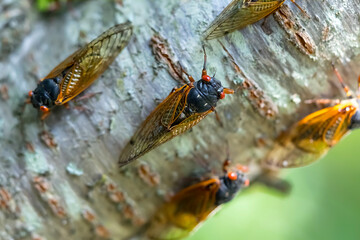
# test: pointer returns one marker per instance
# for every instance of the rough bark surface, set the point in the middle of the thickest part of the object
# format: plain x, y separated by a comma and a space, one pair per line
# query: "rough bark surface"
59, 178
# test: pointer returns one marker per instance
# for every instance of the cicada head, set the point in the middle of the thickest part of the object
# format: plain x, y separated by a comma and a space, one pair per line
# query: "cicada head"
44, 95
206, 93
230, 184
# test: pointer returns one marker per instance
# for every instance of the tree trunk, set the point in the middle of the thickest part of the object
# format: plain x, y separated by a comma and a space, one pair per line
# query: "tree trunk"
60, 179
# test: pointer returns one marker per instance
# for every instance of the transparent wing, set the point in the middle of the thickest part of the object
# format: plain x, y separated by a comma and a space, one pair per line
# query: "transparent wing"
156, 128
238, 14
83, 67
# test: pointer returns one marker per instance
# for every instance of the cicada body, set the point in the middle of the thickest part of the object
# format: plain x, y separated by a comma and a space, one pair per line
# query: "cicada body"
81, 69
185, 212
311, 138
181, 110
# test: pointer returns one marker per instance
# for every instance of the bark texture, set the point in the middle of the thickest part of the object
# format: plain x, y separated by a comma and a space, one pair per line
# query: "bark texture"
59, 178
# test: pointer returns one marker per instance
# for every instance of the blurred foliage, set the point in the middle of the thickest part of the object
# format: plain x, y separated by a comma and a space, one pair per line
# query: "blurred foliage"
323, 203
54, 5
46, 5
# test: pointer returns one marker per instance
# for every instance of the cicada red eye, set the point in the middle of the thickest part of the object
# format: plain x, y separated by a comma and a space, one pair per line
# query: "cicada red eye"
44, 109
206, 78
30, 93
232, 176
222, 95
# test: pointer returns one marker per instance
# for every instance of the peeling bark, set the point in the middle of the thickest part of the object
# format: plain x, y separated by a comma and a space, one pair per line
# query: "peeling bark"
59, 178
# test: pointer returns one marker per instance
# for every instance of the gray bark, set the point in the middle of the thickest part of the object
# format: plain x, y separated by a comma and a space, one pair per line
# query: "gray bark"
53, 172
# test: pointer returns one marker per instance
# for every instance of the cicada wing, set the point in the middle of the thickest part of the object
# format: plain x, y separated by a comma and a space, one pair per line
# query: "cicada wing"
238, 14
324, 128
68, 63
155, 130
84, 66
175, 108
178, 218
188, 123
313, 136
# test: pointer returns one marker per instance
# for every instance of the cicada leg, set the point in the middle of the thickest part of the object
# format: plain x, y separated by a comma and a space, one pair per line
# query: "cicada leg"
204, 72
302, 10
191, 79
270, 179
358, 96
44, 115
227, 161
324, 101
348, 92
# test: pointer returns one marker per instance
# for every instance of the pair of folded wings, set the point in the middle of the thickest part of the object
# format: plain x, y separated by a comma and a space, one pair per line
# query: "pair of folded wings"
84, 66
238, 14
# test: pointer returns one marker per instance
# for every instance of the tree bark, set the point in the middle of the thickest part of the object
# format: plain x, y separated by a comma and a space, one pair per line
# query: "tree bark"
59, 178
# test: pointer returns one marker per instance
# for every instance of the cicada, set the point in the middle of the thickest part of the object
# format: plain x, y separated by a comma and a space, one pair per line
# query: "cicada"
181, 110
240, 13
185, 211
311, 138
80, 69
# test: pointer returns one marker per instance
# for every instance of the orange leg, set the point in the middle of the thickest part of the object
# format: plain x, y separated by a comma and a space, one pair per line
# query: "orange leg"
87, 96
44, 115
348, 92
191, 79
302, 10
204, 72
323, 101
227, 161
358, 87
218, 118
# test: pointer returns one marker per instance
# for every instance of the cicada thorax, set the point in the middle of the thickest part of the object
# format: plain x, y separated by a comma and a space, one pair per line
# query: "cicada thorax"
192, 205
312, 137
230, 185
47, 92
202, 97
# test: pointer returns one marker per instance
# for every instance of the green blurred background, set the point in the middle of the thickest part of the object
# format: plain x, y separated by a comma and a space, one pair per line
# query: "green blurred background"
323, 204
